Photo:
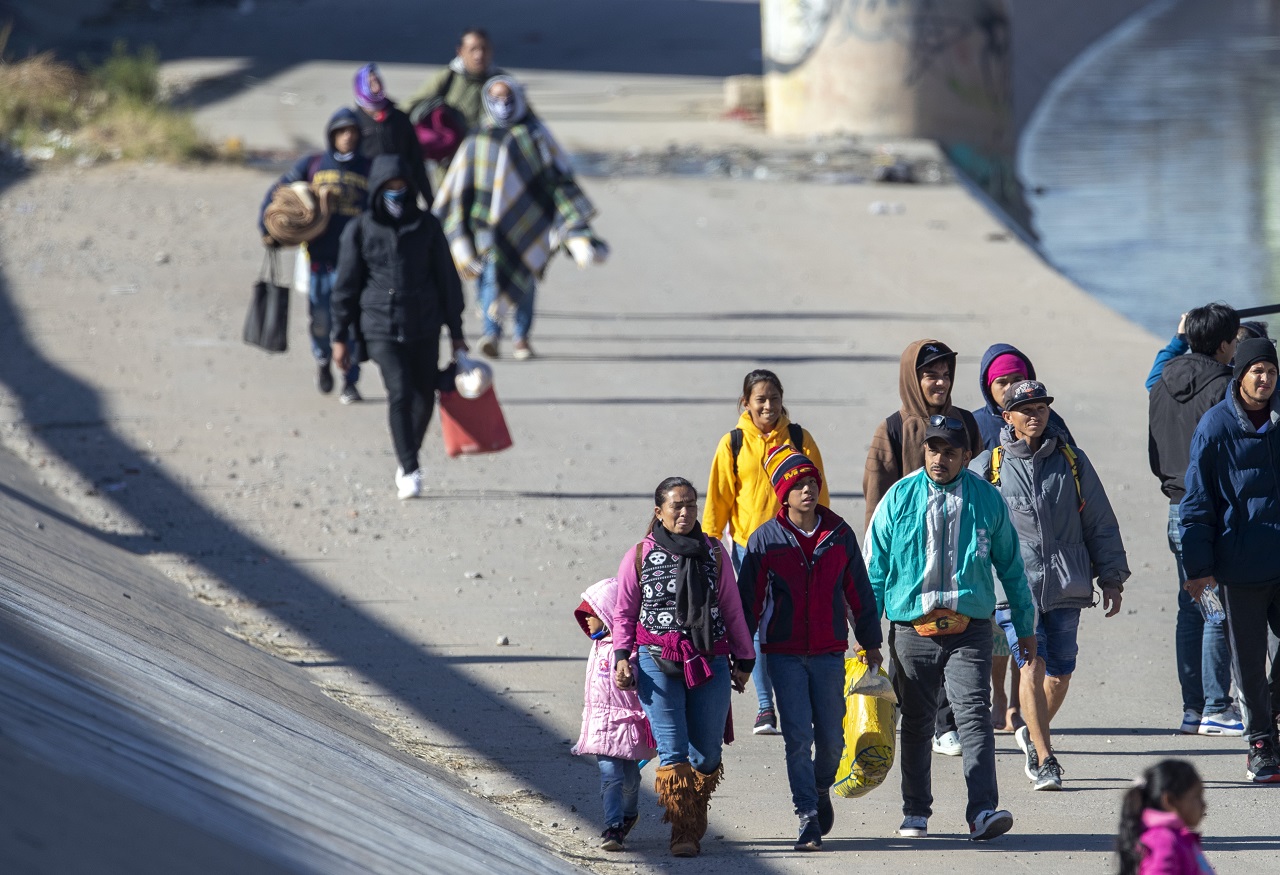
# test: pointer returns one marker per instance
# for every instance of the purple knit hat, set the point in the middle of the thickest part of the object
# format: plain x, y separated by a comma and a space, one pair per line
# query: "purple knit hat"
365, 98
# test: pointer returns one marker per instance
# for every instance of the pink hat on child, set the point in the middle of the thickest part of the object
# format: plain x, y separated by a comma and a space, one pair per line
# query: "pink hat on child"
1005, 365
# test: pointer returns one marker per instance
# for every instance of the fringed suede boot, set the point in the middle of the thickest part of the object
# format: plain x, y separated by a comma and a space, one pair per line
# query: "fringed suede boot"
679, 796
705, 785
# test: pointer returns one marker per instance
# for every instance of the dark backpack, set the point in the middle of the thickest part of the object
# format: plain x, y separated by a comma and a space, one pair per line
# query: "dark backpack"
795, 432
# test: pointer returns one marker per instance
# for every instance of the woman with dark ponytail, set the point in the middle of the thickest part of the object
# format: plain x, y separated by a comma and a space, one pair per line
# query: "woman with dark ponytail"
678, 605
1157, 822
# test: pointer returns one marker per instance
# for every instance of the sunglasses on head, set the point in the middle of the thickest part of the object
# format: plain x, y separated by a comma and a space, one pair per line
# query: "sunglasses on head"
947, 422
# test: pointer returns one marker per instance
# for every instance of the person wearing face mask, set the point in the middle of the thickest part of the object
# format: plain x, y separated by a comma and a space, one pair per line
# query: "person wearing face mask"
385, 129
508, 202
397, 287
343, 173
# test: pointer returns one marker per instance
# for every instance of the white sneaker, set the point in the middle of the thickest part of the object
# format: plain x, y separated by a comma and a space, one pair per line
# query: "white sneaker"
408, 485
914, 827
1227, 722
1190, 722
947, 744
989, 824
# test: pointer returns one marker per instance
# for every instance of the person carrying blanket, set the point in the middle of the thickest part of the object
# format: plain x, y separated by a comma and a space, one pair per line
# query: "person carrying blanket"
507, 203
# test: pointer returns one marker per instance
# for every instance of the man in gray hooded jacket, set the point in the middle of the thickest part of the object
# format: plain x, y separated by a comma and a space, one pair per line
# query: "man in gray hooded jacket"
1069, 536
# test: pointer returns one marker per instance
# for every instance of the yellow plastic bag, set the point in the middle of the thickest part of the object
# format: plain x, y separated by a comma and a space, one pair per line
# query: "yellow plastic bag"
869, 731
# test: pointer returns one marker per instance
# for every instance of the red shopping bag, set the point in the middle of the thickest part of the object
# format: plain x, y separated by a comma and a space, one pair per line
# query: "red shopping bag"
473, 426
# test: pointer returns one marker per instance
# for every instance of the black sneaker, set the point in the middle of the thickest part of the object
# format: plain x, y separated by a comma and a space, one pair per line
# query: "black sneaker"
627, 823
350, 394
1263, 767
324, 379
611, 839
810, 833
766, 722
1032, 766
826, 813
1050, 775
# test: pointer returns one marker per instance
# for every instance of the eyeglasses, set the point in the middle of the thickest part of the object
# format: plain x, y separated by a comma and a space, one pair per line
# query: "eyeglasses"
947, 422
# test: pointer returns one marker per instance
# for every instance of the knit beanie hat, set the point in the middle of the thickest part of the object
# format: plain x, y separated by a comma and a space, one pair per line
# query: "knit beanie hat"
787, 466
1250, 352
1004, 366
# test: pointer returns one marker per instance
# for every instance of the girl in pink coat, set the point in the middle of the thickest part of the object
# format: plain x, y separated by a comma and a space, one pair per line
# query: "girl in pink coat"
614, 727
1158, 820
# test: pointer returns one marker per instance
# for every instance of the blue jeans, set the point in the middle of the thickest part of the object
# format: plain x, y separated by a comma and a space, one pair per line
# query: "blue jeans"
1056, 639
1202, 650
759, 674
487, 292
810, 691
688, 724
318, 299
619, 789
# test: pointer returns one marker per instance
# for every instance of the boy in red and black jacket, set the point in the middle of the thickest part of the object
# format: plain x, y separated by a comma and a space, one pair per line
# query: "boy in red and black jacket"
801, 576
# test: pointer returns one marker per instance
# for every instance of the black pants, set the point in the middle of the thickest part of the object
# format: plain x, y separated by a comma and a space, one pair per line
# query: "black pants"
1247, 610
410, 372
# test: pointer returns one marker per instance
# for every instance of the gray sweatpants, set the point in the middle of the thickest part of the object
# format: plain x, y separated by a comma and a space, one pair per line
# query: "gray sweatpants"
963, 663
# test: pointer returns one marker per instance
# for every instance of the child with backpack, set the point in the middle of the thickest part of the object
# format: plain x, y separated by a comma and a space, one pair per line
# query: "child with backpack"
1157, 822
740, 495
802, 576
614, 727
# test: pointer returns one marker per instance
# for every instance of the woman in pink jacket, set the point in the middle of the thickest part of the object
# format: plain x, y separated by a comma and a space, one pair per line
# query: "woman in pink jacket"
614, 727
678, 606
1157, 822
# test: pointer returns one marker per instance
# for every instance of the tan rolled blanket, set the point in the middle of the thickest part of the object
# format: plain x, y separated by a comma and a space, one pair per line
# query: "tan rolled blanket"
297, 214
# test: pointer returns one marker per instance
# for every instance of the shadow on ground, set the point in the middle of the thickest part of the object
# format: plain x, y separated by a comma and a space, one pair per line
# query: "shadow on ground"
70, 418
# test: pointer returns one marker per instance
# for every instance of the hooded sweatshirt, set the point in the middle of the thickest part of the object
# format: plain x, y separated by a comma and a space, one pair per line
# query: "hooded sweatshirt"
347, 179
884, 466
989, 416
1171, 848
395, 278
389, 132
746, 501
613, 723
1188, 387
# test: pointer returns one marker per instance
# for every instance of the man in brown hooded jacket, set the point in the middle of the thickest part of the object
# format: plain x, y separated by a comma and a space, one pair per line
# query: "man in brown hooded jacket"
925, 377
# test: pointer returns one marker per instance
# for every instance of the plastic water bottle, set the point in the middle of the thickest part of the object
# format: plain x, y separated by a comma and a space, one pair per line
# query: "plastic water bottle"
1211, 606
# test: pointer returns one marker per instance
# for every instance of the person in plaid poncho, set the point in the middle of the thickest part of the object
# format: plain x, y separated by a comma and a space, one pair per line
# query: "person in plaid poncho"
508, 202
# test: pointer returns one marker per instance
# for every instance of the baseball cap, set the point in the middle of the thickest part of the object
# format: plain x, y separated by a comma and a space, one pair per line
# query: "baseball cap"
949, 429
932, 351
1026, 392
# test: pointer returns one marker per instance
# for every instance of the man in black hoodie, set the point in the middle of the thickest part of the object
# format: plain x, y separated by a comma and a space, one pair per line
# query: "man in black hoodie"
397, 285
1188, 387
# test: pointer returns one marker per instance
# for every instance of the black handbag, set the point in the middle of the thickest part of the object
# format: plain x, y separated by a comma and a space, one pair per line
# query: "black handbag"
266, 325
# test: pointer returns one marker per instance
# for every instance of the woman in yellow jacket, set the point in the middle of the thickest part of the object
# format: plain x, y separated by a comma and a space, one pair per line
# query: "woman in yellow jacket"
740, 493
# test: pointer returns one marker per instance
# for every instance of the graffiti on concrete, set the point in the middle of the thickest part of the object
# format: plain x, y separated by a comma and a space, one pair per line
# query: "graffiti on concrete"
793, 29
939, 34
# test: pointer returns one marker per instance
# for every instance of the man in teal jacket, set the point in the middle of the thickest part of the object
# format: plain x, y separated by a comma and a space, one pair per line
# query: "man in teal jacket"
934, 540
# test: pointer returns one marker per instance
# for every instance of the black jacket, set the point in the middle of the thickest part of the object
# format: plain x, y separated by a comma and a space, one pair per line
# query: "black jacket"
394, 135
1189, 386
396, 279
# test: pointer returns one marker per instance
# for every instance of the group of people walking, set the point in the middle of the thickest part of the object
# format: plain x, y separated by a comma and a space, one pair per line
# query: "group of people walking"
973, 536
386, 272
986, 531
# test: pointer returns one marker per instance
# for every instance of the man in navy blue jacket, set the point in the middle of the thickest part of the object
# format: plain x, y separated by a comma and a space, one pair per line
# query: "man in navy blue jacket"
343, 172
1231, 531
